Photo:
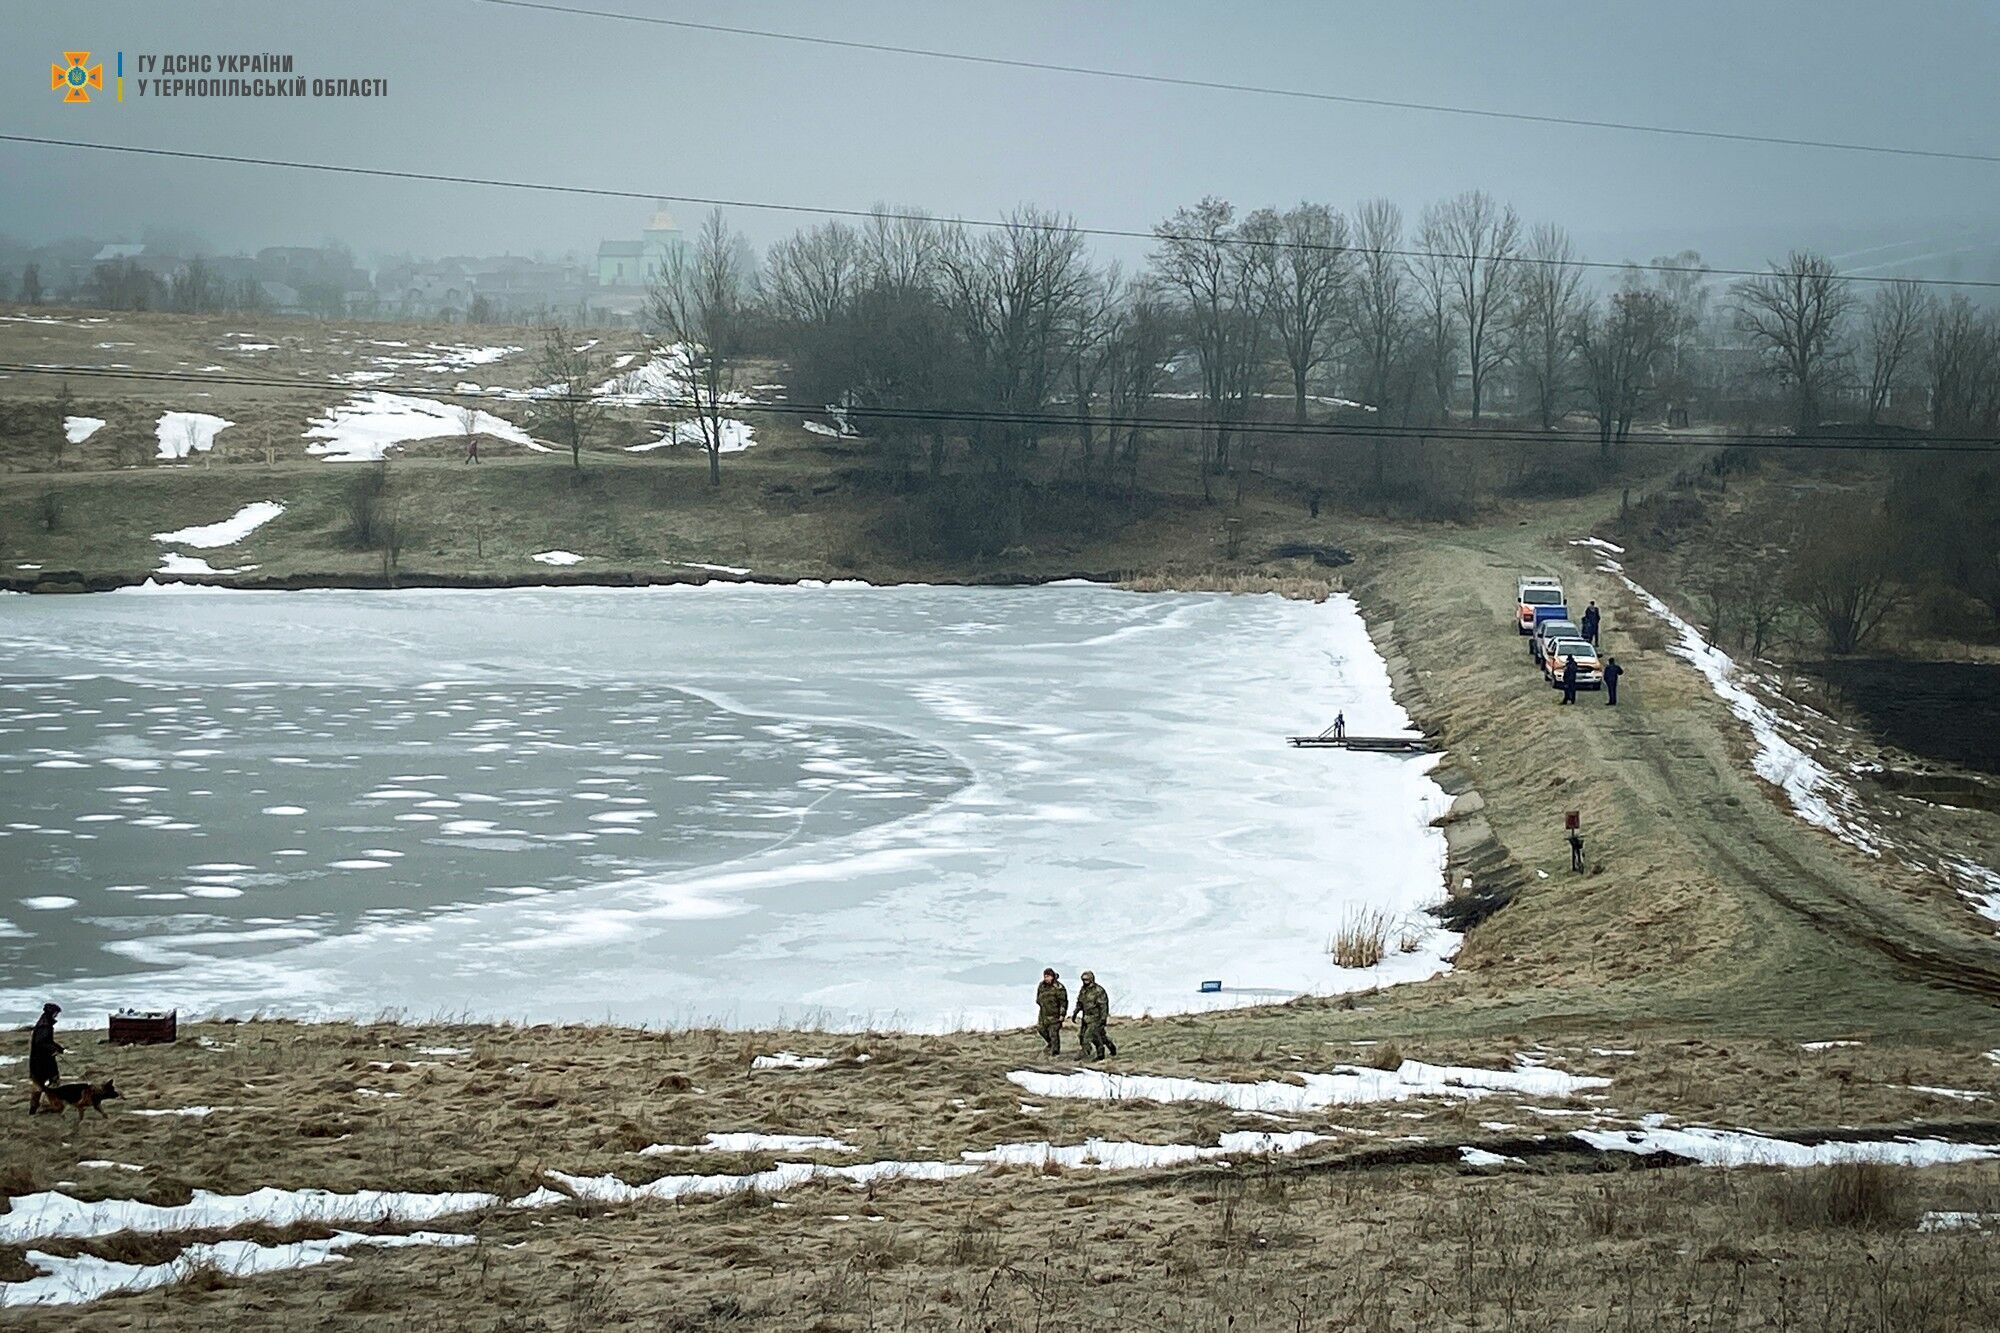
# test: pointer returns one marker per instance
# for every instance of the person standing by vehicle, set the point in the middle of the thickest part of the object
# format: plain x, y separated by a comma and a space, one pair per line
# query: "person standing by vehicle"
1093, 1012
1612, 671
1051, 1004
1569, 679
43, 1048
1592, 617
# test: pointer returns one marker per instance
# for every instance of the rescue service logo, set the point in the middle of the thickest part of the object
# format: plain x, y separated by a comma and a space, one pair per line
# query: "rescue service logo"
77, 76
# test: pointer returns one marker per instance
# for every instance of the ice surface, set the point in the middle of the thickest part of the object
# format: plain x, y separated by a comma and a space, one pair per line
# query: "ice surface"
1346, 1085
365, 428
899, 839
79, 1279
180, 433
228, 531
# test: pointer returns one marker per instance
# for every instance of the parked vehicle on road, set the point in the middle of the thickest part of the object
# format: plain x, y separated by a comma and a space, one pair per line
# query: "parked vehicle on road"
1538, 599
1548, 630
1589, 671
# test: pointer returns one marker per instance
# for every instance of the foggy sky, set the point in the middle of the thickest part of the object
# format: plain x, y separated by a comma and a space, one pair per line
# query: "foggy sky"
491, 91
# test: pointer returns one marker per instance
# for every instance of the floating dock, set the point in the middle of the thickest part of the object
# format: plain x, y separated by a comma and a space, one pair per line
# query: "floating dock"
1376, 744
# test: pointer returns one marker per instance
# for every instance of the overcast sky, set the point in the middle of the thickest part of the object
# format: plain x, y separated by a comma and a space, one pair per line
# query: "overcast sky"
478, 89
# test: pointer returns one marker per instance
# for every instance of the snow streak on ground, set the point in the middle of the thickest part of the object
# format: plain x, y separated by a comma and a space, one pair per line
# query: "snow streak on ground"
1347, 1085
739, 804
1721, 1147
365, 428
80, 1279
51, 1214
182, 433
227, 532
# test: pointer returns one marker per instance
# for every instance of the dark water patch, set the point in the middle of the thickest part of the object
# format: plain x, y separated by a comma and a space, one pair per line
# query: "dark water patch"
1948, 711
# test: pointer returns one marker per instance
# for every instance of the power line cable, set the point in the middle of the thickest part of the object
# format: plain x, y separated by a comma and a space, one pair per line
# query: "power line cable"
1263, 90
997, 224
1357, 432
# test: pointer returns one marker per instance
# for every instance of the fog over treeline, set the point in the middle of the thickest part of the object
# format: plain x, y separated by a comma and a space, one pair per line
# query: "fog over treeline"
514, 94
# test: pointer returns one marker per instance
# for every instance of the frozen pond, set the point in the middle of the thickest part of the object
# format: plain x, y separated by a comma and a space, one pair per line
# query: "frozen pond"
748, 805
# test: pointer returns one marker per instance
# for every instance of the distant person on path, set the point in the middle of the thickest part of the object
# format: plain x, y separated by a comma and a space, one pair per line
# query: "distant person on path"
1051, 1006
1591, 619
1093, 1012
1576, 851
1340, 726
1612, 671
472, 448
1569, 679
43, 1048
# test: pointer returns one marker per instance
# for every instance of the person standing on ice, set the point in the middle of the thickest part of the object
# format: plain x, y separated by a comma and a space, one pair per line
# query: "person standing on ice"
43, 1048
1093, 1013
1051, 1004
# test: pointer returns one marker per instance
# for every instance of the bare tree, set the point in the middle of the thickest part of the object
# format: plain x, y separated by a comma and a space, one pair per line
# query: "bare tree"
568, 407
31, 285
1962, 355
1682, 282
1094, 325
1138, 352
1619, 348
1435, 342
1794, 314
1378, 313
1842, 575
899, 248
1893, 326
64, 405
1216, 284
1479, 239
810, 276
701, 300
1303, 262
1012, 293
1548, 303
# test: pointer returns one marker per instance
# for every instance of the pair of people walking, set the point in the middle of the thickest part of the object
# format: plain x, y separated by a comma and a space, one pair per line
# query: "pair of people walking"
1092, 1014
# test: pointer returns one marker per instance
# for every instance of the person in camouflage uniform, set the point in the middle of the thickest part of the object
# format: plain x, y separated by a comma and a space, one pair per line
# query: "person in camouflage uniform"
1093, 1012
1051, 1003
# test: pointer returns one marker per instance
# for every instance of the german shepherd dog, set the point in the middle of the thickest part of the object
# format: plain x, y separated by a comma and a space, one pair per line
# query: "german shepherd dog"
80, 1096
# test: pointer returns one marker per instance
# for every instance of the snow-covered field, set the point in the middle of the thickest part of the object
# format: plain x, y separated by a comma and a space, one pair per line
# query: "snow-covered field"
727, 803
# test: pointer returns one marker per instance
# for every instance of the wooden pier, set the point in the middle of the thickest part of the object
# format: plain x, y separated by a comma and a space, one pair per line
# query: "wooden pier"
1375, 744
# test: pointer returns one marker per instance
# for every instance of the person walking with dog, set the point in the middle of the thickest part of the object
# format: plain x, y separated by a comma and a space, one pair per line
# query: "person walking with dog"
43, 1048
1051, 1005
1093, 1014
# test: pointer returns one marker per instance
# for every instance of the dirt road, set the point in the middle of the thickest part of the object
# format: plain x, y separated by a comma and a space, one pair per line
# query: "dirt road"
1706, 900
